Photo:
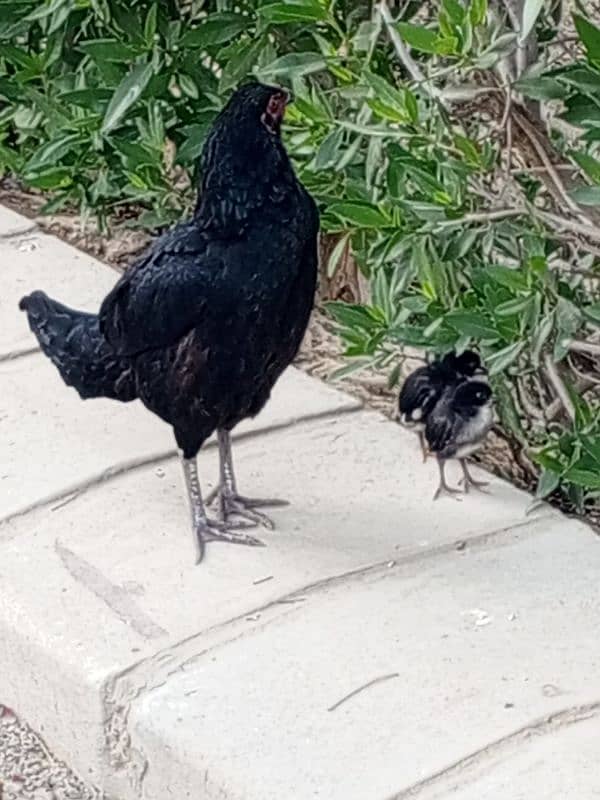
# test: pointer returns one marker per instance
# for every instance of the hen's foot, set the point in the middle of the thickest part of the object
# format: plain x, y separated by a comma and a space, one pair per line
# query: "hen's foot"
213, 531
233, 504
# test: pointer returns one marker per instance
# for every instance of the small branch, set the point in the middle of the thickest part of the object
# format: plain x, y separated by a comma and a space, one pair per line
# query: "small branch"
480, 216
531, 134
559, 387
585, 347
555, 220
362, 688
403, 54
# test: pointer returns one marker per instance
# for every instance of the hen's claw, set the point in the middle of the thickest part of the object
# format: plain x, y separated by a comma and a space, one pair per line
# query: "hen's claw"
231, 504
211, 531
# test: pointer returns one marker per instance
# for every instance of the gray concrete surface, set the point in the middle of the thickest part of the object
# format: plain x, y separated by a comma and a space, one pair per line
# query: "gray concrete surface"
381, 646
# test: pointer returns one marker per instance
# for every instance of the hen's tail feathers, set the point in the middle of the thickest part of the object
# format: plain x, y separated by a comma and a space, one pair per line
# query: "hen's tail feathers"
73, 342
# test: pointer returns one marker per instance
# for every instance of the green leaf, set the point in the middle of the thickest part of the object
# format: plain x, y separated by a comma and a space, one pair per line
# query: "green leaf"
218, 29
150, 23
295, 65
110, 50
418, 37
95, 100
336, 254
455, 11
547, 483
592, 312
52, 152
355, 365
46, 9
588, 164
589, 35
542, 88
360, 215
293, 11
240, 64
502, 359
583, 477
478, 12
188, 86
587, 195
50, 179
353, 315
540, 337
384, 91
568, 320
468, 148
126, 94
328, 152
511, 307
511, 278
194, 142
472, 324
531, 11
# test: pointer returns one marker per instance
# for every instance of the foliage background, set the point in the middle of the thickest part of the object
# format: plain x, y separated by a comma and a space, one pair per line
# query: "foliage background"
452, 147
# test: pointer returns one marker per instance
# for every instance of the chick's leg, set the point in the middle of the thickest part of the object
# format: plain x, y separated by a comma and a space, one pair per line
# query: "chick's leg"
443, 487
206, 530
230, 502
469, 480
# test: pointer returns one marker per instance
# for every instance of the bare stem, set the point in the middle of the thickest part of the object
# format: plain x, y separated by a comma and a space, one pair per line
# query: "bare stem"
559, 387
405, 57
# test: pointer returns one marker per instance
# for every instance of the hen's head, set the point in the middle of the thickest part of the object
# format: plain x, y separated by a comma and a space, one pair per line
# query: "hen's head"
251, 120
244, 163
256, 106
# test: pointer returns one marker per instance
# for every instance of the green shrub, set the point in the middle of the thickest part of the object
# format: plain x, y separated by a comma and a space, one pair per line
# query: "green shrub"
422, 140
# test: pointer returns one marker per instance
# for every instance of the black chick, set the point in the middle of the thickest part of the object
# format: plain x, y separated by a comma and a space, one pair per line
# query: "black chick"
203, 325
457, 427
423, 388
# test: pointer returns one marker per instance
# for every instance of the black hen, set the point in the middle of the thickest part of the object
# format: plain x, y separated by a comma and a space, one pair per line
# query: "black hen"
423, 388
202, 326
457, 427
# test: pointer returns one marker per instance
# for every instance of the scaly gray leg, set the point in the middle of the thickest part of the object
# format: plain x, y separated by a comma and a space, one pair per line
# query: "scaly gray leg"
230, 502
443, 487
423, 444
206, 530
469, 480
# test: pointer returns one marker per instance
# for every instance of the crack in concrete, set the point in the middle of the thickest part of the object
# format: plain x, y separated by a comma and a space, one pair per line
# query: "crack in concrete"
543, 726
14, 355
80, 488
27, 228
122, 689
115, 597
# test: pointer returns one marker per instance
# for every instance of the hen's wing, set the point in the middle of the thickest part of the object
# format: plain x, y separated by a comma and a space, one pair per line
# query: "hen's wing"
164, 295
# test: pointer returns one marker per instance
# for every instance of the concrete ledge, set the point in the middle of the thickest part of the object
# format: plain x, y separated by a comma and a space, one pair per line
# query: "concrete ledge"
13, 224
469, 653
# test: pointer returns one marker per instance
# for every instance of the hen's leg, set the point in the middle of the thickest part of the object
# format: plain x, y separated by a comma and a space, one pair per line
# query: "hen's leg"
230, 502
206, 530
423, 444
443, 487
469, 480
